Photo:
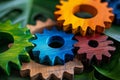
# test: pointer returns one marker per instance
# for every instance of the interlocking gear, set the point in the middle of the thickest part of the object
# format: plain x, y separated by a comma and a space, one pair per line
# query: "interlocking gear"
53, 46
115, 4
17, 52
34, 69
101, 19
97, 45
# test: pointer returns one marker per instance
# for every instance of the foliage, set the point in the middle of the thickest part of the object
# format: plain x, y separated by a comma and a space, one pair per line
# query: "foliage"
114, 32
27, 11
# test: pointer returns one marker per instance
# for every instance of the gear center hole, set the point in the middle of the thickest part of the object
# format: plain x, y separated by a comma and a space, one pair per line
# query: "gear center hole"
93, 43
6, 41
56, 42
84, 11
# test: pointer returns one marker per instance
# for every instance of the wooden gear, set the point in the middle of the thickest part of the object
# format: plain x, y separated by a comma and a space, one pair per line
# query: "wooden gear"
35, 70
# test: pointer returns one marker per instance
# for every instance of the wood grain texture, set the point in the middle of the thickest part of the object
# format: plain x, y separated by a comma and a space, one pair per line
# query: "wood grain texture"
37, 71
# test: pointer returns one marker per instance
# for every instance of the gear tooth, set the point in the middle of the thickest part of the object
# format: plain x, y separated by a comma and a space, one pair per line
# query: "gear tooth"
102, 38
102, 25
108, 20
37, 35
33, 41
69, 36
83, 33
62, 1
52, 59
111, 14
84, 28
93, 28
59, 76
75, 26
65, 23
65, 28
99, 57
58, 12
74, 31
54, 29
105, 4
111, 17
60, 18
107, 54
60, 60
90, 56
97, 0
35, 49
36, 54
110, 9
70, 52
45, 76
58, 6
41, 60
62, 57
42, 56
45, 30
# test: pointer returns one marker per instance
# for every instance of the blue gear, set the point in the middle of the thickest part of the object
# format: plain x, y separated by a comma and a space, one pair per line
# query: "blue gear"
115, 4
51, 54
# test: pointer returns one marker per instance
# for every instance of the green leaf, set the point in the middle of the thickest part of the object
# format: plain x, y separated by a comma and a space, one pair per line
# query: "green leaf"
86, 76
114, 32
26, 11
16, 52
15, 75
112, 69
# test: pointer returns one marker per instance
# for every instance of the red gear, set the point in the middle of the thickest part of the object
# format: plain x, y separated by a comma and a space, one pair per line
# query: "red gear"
97, 45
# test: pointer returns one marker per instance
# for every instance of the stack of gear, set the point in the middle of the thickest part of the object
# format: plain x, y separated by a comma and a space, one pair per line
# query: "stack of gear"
70, 18
56, 46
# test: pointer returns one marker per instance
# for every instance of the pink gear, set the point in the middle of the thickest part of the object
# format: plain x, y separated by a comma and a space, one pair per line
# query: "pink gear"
97, 45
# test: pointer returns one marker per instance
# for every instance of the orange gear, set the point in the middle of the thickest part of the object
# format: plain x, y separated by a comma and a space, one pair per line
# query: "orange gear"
101, 19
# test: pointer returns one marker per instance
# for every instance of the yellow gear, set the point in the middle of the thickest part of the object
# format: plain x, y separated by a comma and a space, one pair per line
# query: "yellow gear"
102, 15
